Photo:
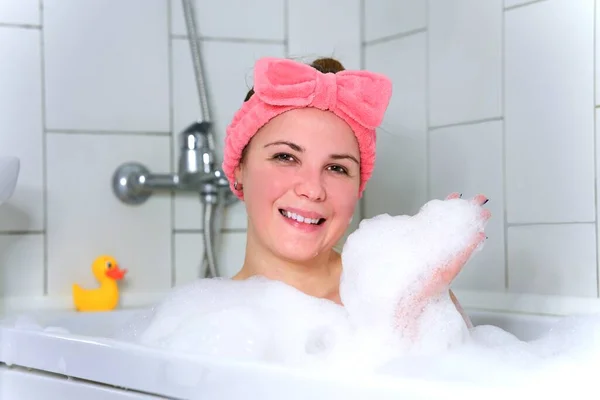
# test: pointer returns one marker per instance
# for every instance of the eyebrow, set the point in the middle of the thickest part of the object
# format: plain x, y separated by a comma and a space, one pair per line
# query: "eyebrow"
344, 157
294, 146
298, 148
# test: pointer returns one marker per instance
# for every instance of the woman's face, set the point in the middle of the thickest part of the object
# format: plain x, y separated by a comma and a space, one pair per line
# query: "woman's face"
300, 177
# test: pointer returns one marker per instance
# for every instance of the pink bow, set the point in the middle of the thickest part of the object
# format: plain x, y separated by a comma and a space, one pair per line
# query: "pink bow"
361, 95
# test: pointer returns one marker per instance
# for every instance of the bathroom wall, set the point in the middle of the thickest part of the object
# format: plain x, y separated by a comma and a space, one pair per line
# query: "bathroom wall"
497, 97
86, 86
490, 96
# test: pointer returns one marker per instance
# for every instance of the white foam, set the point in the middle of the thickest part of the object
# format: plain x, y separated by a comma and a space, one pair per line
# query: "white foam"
387, 261
257, 319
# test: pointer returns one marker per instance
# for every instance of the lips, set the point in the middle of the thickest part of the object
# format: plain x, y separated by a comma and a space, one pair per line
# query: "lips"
304, 217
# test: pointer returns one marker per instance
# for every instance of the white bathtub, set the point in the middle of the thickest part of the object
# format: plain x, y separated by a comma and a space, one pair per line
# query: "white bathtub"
39, 364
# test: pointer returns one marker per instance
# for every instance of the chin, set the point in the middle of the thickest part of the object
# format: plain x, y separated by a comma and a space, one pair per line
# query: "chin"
299, 253
302, 251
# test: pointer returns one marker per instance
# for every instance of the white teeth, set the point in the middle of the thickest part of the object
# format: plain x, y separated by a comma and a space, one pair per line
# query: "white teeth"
300, 218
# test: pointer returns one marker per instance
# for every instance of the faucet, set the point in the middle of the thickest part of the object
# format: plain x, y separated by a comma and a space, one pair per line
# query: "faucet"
133, 183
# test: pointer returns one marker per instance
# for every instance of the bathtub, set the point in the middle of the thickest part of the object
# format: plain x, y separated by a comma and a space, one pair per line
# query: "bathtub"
41, 364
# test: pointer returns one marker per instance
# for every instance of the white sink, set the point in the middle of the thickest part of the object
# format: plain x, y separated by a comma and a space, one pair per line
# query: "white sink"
9, 173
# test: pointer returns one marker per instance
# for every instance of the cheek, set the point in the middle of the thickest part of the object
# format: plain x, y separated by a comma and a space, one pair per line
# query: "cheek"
262, 187
343, 195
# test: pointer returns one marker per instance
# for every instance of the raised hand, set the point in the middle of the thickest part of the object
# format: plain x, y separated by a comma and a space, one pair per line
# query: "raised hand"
410, 308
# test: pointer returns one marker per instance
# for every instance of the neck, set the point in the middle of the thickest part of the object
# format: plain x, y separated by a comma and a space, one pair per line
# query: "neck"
318, 276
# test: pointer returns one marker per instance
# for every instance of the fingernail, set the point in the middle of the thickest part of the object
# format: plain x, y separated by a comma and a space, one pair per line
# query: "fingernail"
486, 200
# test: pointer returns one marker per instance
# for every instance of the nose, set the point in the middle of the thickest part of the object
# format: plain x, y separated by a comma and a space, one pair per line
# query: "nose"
310, 185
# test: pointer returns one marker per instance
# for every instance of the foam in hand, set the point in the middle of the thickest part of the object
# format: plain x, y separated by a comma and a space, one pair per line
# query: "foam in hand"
391, 264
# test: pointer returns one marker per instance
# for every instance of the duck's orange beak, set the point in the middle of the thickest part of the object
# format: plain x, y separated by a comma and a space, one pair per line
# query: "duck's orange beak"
116, 273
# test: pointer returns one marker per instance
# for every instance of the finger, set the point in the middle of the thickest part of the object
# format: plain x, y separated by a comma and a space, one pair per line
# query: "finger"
486, 214
480, 199
454, 195
451, 271
445, 275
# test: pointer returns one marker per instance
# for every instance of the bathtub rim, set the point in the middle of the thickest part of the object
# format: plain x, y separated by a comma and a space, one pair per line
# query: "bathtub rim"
69, 355
471, 300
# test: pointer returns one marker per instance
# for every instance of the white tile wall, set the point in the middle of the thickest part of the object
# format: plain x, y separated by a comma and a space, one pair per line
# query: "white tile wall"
86, 220
234, 19
86, 87
549, 112
399, 181
106, 70
465, 60
468, 159
21, 265
384, 18
517, 3
21, 131
323, 33
189, 250
21, 12
553, 259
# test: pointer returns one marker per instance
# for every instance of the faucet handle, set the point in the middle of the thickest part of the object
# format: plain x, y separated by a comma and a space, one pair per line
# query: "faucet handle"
196, 158
197, 136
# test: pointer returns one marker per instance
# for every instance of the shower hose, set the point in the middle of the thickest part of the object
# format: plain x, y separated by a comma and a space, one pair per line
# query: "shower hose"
212, 210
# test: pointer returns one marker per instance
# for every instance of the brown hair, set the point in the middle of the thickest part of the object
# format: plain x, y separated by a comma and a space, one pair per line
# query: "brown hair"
324, 65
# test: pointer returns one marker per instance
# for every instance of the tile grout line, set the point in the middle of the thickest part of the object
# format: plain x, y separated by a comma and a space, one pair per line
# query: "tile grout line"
395, 36
428, 126
362, 207
44, 151
105, 132
595, 139
286, 29
466, 123
509, 8
21, 232
196, 231
519, 224
19, 26
504, 160
171, 138
229, 39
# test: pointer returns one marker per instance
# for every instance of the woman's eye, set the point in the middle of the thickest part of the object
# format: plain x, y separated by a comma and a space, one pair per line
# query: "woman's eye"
283, 157
339, 169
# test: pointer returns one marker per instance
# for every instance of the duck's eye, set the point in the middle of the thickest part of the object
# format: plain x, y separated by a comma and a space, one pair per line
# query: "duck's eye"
109, 265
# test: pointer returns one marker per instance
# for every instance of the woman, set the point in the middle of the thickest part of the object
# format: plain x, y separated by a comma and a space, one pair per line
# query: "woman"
299, 153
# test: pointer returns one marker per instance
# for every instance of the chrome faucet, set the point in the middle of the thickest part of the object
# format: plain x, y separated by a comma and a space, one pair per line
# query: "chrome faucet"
133, 183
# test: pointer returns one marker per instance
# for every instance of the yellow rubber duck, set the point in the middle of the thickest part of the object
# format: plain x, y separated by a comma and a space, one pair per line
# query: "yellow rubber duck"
106, 297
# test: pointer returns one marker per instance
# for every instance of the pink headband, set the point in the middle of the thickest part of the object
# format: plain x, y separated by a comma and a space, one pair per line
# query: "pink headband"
358, 97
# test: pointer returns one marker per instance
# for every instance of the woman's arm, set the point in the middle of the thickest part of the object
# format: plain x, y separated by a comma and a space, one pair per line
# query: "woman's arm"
461, 310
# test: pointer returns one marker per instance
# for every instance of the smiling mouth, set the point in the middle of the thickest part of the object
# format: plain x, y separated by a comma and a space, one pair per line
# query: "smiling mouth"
300, 218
